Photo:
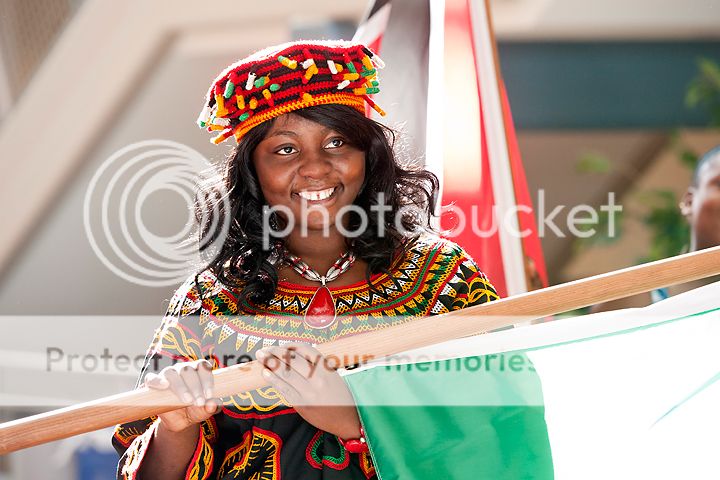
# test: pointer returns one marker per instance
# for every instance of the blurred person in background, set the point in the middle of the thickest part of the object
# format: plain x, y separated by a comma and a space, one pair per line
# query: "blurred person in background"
700, 206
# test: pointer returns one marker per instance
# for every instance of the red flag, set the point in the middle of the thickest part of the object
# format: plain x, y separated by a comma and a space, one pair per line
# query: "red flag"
443, 90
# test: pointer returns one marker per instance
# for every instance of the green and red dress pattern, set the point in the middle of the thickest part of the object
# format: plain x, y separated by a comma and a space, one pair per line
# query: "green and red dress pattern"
257, 435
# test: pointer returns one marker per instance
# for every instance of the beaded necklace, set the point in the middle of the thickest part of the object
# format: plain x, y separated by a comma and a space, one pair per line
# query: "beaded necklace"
320, 312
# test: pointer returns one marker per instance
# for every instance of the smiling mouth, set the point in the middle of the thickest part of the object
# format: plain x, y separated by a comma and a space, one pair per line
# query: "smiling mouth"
317, 195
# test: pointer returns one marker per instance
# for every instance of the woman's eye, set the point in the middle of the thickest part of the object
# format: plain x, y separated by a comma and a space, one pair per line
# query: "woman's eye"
335, 143
286, 151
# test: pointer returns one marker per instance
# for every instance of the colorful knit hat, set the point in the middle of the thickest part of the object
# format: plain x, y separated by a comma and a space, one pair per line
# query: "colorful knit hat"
287, 77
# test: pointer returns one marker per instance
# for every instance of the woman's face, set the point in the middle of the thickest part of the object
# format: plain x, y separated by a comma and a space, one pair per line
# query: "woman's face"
309, 169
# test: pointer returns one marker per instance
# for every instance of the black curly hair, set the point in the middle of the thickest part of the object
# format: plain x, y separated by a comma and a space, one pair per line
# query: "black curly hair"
244, 264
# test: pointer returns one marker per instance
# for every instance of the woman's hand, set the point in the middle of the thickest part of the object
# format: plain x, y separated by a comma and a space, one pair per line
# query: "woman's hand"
310, 384
192, 383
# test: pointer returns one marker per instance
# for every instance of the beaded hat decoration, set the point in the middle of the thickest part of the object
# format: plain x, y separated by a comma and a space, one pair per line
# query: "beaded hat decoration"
287, 77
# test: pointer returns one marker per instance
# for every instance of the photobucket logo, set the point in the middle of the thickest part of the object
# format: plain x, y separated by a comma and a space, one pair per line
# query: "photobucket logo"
581, 221
122, 190
273, 229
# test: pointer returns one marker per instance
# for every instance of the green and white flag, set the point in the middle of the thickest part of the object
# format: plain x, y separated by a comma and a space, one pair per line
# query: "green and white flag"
626, 394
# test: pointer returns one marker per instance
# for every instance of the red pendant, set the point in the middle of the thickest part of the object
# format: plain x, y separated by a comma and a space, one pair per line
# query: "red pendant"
320, 312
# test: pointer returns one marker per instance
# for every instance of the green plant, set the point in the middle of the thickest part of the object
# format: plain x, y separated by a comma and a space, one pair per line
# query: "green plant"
663, 218
704, 90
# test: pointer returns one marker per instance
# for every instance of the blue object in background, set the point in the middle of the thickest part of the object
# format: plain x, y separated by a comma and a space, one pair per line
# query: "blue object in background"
603, 85
94, 464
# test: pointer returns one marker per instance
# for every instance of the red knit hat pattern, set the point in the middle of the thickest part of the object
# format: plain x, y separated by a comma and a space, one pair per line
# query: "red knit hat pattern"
287, 77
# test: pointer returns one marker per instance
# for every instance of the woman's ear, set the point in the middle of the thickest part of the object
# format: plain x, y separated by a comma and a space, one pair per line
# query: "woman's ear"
686, 202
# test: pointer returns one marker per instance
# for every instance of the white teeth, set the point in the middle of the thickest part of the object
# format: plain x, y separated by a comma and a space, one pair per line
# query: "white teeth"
317, 195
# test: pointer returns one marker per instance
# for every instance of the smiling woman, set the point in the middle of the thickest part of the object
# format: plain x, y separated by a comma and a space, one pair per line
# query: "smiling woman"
330, 237
278, 173
303, 161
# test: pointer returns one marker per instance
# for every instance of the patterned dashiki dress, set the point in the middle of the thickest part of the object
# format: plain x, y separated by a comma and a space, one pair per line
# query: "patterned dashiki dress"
257, 435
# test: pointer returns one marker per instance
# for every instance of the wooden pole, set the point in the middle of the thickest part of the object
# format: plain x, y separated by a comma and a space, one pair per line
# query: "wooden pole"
421, 332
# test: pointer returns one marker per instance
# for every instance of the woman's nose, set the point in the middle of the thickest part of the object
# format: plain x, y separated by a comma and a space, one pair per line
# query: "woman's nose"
315, 164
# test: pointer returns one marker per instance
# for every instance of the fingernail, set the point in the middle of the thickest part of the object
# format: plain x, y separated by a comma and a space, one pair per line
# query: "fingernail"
199, 401
260, 354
